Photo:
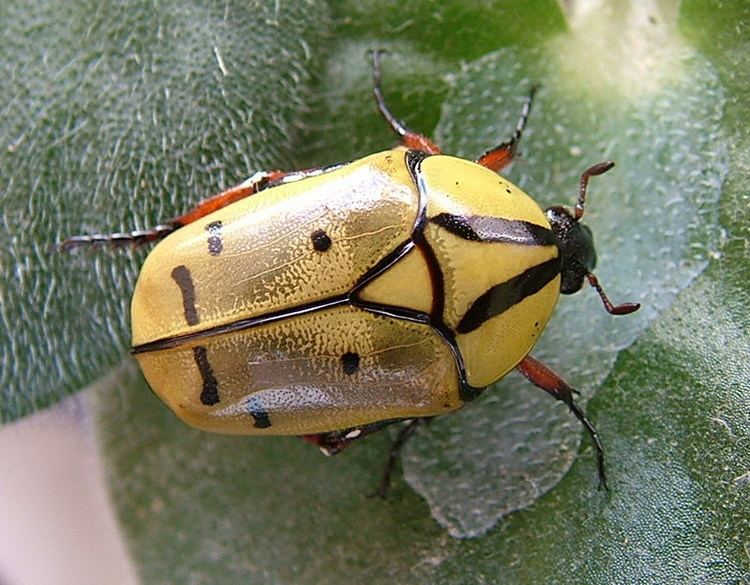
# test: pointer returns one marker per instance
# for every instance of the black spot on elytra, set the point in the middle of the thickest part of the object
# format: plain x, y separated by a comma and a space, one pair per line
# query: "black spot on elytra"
259, 414
321, 241
350, 363
210, 389
215, 244
181, 275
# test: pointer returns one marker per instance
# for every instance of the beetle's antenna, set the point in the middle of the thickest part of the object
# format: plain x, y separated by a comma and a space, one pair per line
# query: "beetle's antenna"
623, 309
597, 169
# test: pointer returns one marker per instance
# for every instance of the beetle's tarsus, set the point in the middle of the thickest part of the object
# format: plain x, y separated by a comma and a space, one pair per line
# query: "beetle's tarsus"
502, 155
542, 377
404, 434
622, 309
116, 240
581, 416
409, 138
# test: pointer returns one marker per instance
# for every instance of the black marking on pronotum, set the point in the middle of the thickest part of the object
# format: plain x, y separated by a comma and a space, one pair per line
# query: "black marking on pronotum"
210, 391
259, 414
480, 228
466, 391
321, 241
215, 244
503, 296
350, 363
181, 275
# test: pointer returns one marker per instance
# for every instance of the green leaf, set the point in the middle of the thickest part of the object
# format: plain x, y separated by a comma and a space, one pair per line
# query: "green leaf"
115, 117
661, 90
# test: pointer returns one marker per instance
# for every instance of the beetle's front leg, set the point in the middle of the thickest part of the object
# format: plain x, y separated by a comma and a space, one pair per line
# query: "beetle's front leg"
541, 376
333, 442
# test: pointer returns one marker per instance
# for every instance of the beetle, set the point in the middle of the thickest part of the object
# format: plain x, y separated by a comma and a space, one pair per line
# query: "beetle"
330, 303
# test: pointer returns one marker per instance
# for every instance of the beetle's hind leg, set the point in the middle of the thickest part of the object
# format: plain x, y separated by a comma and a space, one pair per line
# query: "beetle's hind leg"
116, 240
542, 377
255, 183
409, 138
404, 434
333, 442
502, 155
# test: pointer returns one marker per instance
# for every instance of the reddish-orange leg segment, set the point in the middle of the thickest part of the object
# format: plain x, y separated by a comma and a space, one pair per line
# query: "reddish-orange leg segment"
541, 376
257, 182
502, 155
249, 187
409, 138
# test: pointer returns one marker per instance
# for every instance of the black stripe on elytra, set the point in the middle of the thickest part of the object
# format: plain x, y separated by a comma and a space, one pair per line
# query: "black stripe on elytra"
210, 391
482, 228
503, 296
259, 414
181, 275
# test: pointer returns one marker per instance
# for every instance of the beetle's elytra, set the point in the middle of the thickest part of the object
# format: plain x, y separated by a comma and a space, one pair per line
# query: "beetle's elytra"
329, 303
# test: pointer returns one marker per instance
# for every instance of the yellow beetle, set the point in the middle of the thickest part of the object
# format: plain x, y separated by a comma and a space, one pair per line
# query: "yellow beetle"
335, 301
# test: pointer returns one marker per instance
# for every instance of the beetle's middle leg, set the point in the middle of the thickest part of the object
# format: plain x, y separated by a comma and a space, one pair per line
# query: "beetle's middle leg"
409, 138
333, 442
406, 432
542, 377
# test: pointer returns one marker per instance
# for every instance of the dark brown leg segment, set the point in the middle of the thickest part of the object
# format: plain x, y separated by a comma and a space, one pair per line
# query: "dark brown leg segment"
410, 139
333, 442
502, 155
541, 376
404, 434
116, 240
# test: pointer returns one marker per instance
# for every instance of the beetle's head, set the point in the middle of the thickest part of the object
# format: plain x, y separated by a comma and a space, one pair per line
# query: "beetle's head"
576, 245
